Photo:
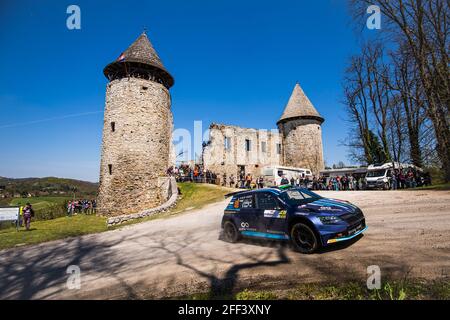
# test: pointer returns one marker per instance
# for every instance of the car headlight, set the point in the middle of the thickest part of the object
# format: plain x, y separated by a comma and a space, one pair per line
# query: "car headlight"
329, 219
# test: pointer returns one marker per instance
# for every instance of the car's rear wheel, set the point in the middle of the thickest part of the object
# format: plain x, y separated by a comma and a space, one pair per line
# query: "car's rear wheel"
230, 232
304, 238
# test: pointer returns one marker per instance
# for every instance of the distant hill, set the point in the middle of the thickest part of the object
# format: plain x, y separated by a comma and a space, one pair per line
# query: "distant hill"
25, 187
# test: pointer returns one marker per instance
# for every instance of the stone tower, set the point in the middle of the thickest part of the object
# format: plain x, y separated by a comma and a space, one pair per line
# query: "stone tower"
137, 131
301, 133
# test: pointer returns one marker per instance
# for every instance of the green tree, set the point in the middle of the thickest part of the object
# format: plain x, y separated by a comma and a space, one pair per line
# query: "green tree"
375, 150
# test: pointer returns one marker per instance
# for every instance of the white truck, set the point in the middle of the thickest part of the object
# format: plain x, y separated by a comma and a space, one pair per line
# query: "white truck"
274, 174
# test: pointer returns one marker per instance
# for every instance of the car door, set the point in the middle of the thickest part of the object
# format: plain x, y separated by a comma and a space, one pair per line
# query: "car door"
271, 213
247, 213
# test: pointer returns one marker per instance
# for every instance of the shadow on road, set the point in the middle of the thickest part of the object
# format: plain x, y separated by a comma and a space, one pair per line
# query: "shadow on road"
223, 286
189, 262
26, 271
272, 243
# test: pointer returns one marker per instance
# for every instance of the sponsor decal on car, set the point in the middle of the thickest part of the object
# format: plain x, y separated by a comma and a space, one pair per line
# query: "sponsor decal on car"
245, 226
275, 214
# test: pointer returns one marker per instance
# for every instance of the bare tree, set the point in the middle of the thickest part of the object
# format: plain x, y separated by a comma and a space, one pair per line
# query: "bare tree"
411, 101
368, 101
421, 28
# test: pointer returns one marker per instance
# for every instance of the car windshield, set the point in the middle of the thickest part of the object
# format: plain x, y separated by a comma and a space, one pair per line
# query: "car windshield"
376, 173
296, 196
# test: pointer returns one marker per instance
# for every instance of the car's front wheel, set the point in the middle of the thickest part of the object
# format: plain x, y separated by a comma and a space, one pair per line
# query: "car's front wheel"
230, 232
303, 238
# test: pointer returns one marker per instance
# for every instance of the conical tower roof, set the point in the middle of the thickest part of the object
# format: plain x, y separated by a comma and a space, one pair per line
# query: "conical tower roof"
141, 50
299, 106
140, 54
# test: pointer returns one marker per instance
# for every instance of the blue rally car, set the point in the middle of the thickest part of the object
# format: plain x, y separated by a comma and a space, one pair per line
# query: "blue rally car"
308, 220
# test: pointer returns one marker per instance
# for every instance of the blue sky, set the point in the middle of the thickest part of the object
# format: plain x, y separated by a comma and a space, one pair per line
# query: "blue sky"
234, 62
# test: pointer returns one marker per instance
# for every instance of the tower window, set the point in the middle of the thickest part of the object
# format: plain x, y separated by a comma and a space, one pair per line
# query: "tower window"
144, 88
278, 148
263, 146
110, 168
227, 143
248, 145
113, 126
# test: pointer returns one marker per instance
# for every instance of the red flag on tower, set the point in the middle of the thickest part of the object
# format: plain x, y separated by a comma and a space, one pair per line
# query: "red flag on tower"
121, 57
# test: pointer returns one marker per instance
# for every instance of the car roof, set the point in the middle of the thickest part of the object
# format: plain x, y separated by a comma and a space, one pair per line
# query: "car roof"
274, 190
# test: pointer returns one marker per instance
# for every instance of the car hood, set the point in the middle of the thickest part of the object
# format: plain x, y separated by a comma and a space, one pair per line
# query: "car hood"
324, 205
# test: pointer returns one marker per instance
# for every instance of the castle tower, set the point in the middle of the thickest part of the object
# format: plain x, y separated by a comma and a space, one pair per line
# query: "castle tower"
137, 131
301, 133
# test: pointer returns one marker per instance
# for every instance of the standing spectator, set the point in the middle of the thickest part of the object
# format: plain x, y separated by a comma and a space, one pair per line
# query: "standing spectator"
260, 182
339, 184
306, 182
232, 181
336, 183
350, 182
394, 181
28, 213
20, 222
411, 179
248, 181
224, 178
401, 179
301, 181
69, 208
284, 181
343, 183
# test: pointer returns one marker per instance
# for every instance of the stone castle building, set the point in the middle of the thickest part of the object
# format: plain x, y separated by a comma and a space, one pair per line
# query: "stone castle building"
137, 143
137, 132
232, 150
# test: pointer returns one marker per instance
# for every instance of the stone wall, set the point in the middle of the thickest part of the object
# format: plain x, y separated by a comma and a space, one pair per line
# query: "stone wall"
169, 188
221, 160
302, 144
135, 153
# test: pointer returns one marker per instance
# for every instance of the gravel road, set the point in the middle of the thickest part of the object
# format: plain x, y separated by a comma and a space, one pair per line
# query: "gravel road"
408, 235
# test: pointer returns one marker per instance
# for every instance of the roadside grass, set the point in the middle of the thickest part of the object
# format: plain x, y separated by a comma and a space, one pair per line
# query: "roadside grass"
39, 202
48, 230
193, 196
416, 289
196, 196
45, 207
441, 186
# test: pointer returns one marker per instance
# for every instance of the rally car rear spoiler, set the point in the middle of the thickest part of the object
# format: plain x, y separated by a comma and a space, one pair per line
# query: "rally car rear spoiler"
247, 190
234, 193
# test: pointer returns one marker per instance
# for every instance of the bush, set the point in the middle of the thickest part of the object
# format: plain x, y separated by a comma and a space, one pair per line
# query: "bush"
52, 211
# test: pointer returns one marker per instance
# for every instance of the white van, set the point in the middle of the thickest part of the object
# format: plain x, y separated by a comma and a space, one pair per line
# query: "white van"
274, 174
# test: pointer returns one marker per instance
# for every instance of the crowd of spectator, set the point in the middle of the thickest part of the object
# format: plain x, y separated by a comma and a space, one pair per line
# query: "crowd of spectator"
398, 179
404, 179
186, 173
81, 206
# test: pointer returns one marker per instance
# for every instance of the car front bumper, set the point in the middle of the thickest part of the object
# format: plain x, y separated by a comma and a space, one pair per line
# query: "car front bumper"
344, 238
